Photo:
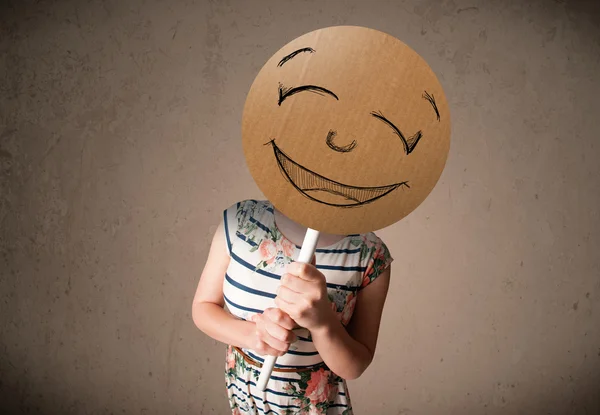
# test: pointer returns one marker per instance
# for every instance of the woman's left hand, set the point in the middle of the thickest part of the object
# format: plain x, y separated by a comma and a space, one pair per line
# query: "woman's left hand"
303, 296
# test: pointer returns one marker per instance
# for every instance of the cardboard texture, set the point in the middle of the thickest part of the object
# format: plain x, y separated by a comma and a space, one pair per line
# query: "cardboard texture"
346, 130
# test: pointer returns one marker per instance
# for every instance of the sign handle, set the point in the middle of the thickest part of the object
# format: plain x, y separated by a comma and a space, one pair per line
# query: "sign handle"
306, 253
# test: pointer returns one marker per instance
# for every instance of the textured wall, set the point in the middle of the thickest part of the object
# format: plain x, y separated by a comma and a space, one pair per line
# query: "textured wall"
120, 145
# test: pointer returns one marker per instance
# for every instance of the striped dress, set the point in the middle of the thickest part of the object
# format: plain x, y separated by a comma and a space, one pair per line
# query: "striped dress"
301, 382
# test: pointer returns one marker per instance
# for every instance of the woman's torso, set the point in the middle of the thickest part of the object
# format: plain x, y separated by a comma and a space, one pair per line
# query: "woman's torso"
259, 254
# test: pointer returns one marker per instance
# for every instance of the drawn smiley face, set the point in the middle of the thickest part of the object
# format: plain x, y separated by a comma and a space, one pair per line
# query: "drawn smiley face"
346, 129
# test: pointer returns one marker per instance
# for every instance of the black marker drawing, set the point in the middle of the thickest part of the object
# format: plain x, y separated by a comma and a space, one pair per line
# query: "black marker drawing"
341, 149
291, 55
431, 100
286, 92
410, 142
312, 184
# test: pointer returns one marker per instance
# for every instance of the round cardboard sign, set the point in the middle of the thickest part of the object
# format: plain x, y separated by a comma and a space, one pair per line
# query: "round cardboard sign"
346, 130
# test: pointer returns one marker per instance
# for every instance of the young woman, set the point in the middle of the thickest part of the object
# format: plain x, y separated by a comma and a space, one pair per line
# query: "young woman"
321, 319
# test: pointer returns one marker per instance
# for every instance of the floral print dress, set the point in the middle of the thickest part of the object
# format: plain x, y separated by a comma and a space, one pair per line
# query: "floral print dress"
301, 382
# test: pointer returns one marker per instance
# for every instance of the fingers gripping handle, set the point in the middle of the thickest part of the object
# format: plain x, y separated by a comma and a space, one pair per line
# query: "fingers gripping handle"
306, 253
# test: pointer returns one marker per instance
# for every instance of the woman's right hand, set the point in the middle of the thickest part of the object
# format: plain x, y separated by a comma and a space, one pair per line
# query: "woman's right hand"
273, 332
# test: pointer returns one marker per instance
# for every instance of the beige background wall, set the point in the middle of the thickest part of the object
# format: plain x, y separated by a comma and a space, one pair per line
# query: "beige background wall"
120, 146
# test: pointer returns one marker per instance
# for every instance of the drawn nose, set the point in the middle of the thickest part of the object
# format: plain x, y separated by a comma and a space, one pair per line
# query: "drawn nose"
342, 149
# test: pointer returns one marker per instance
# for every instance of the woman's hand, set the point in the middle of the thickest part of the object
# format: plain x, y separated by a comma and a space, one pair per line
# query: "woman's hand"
273, 332
303, 296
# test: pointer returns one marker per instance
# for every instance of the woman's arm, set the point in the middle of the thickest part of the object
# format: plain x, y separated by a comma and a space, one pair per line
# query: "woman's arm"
207, 308
210, 317
347, 352
352, 349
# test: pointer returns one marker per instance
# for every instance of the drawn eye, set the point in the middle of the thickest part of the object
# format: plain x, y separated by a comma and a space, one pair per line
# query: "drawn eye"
429, 97
410, 142
286, 92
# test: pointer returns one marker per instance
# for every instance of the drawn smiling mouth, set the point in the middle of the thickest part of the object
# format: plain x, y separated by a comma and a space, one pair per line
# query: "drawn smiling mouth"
323, 190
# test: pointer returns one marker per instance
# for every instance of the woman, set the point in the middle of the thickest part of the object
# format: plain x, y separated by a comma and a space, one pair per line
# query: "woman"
323, 330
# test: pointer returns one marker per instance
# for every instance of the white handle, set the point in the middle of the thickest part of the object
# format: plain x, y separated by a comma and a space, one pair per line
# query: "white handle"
306, 253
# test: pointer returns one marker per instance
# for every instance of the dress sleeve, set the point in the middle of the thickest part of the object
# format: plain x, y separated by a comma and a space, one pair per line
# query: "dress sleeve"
233, 220
230, 226
379, 258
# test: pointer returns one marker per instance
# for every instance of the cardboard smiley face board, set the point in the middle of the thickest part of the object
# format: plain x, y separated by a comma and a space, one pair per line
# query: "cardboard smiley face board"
346, 130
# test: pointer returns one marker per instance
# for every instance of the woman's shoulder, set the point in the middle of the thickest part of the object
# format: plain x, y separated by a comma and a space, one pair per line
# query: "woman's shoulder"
369, 239
248, 209
250, 206
371, 247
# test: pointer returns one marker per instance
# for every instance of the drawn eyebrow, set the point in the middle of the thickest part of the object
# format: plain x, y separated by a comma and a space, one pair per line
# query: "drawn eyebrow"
410, 143
291, 55
286, 92
431, 100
